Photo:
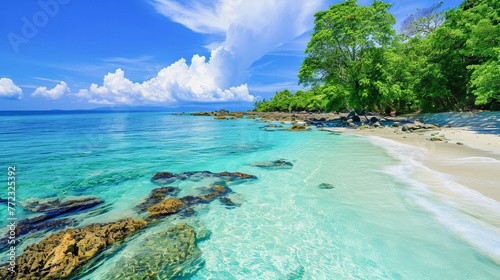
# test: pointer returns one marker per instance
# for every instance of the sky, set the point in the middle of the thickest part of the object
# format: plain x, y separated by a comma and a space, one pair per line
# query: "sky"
84, 54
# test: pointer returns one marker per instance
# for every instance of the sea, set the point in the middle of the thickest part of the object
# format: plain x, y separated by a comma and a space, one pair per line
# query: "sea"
386, 217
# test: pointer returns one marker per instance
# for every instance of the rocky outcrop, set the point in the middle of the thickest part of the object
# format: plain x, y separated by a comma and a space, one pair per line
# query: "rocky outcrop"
214, 191
273, 164
296, 127
171, 177
156, 196
167, 206
164, 255
62, 253
418, 126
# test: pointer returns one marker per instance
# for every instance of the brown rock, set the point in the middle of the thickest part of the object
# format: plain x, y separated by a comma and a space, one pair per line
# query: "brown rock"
234, 174
210, 196
62, 253
219, 188
296, 127
155, 197
164, 175
167, 206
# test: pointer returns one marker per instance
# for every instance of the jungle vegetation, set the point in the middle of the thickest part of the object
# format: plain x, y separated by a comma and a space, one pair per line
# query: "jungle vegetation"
439, 61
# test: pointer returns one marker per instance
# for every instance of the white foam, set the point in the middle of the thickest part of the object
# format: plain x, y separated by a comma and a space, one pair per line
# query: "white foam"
470, 215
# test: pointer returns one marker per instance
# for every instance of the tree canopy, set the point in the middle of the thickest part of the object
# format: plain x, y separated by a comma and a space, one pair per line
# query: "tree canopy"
355, 60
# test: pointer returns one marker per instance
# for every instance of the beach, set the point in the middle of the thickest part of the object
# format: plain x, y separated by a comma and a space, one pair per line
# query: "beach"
239, 196
474, 162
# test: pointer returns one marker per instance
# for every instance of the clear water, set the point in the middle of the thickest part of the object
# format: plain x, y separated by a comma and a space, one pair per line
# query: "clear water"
387, 217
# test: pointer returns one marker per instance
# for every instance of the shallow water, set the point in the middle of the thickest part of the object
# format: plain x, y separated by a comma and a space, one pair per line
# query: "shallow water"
388, 217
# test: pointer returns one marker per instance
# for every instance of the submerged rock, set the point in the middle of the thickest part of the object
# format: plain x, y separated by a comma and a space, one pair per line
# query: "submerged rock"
36, 224
210, 196
230, 202
156, 196
273, 164
220, 188
296, 127
57, 206
326, 186
61, 254
167, 206
40, 223
171, 177
234, 175
164, 255
272, 125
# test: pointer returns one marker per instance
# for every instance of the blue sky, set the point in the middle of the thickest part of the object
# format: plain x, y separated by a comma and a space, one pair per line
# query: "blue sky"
76, 54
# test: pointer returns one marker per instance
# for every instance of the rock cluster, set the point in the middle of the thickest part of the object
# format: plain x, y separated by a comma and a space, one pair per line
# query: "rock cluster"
60, 254
156, 196
296, 127
171, 177
418, 126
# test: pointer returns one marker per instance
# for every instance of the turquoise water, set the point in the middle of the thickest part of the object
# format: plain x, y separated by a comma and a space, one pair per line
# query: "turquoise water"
385, 218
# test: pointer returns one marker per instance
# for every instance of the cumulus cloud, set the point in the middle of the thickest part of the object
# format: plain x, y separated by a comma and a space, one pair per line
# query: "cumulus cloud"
9, 90
55, 93
202, 81
251, 28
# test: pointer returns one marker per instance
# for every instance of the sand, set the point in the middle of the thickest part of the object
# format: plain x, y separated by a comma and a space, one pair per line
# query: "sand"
475, 164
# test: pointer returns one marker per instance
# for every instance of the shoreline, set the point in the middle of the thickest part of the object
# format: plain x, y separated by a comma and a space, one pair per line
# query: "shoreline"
467, 158
474, 163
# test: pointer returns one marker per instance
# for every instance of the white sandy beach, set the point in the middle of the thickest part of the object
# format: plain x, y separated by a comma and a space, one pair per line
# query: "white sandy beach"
475, 164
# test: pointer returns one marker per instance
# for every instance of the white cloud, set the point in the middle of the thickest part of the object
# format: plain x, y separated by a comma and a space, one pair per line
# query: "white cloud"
201, 81
251, 28
56, 93
9, 90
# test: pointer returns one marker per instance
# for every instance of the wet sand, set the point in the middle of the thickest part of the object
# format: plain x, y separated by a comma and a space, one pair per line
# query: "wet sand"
475, 164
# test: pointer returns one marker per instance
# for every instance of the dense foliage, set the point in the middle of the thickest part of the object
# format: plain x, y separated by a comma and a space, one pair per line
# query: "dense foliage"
355, 60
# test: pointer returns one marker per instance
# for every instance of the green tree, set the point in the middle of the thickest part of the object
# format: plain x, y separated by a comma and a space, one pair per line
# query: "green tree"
343, 38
